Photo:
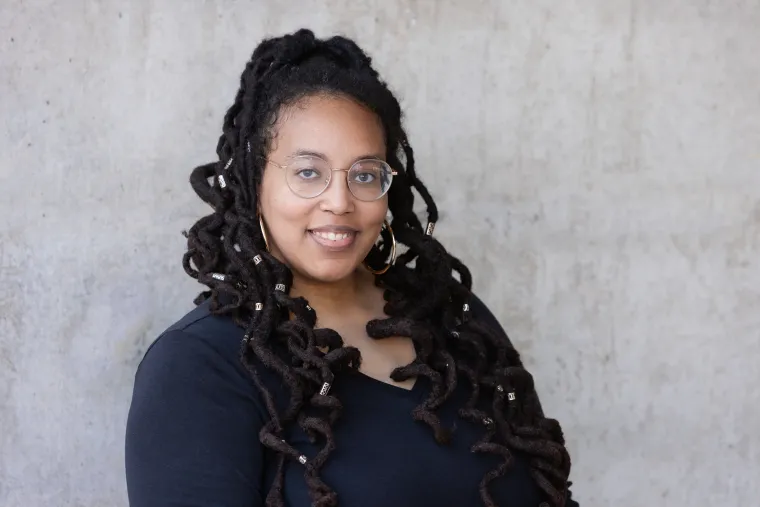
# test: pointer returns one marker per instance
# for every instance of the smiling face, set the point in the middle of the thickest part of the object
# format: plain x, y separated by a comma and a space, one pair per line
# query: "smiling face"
323, 238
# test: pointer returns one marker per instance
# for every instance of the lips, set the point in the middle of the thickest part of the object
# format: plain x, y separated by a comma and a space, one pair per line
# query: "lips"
334, 238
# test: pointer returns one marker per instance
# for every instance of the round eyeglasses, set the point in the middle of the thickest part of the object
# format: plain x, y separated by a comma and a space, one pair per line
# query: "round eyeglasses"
308, 176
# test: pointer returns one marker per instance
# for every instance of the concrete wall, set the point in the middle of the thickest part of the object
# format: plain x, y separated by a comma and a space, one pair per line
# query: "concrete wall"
598, 167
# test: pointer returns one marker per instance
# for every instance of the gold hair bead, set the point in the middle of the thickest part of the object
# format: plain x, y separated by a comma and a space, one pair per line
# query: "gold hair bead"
430, 228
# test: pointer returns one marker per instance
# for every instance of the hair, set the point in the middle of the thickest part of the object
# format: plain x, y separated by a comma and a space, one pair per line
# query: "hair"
427, 290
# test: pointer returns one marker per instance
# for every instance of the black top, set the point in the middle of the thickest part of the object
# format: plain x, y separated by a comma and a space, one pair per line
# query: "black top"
193, 435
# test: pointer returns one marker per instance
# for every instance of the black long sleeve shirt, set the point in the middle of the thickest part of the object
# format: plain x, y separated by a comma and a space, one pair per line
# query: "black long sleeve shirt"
193, 435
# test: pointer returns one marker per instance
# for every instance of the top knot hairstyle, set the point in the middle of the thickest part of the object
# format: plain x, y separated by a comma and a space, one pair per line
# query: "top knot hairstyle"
425, 301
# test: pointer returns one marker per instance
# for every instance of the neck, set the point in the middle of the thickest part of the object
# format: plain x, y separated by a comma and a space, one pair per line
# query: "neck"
336, 296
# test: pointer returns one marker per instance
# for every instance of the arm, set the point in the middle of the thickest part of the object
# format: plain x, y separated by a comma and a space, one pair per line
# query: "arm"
481, 311
192, 431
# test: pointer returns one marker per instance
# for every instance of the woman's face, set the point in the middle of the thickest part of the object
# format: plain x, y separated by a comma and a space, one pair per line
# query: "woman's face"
324, 238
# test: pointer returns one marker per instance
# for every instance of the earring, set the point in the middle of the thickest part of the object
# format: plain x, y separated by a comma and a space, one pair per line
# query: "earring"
393, 253
263, 232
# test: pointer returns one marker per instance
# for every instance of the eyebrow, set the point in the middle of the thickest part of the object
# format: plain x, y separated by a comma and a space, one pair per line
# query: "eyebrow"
312, 153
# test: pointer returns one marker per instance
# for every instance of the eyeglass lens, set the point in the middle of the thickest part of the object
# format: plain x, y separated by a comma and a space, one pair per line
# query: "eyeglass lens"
368, 180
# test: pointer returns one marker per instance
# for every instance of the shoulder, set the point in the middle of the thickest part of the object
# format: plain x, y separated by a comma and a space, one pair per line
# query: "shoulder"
477, 305
483, 314
192, 426
195, 365
201, 322
200, 344
198, 330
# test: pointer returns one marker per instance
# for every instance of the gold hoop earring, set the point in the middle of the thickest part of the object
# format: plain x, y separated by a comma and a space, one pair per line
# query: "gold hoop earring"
263, 232
393, 253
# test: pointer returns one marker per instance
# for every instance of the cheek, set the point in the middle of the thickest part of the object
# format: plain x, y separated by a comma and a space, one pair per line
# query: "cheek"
284, 212
288, 213
379, 214
374, 214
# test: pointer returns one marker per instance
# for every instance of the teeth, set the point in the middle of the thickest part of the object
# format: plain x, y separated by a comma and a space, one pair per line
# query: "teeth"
333, 236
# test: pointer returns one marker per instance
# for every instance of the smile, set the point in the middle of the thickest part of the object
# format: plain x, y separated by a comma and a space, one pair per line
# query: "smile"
332, 236
333, 240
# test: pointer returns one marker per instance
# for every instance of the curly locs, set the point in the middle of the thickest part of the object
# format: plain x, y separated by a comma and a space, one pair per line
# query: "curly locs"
425, 301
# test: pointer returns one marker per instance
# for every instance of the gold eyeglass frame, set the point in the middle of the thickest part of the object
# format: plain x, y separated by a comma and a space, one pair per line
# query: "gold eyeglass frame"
332, 170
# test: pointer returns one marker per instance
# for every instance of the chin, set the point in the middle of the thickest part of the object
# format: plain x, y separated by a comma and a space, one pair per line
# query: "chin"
330, 272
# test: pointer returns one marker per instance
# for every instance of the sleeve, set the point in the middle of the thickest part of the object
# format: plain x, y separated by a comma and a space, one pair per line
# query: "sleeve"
481, 311
192, 429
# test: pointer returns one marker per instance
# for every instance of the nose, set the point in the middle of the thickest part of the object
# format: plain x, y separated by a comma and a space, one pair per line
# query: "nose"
337, 197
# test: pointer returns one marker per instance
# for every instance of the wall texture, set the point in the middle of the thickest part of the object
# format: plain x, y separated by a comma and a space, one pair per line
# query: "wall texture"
598, 167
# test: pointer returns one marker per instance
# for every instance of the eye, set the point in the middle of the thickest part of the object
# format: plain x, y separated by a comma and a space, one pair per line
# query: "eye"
365, 177
308, 173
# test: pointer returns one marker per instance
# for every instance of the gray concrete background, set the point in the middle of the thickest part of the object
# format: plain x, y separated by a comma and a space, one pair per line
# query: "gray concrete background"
598, 167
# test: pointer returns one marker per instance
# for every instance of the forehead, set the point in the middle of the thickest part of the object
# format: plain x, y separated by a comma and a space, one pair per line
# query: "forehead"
338, 127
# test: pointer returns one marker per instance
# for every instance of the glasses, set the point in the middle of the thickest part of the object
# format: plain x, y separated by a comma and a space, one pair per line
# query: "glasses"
308, 176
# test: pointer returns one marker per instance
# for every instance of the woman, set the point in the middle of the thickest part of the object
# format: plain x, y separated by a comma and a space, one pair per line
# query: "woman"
324, 366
